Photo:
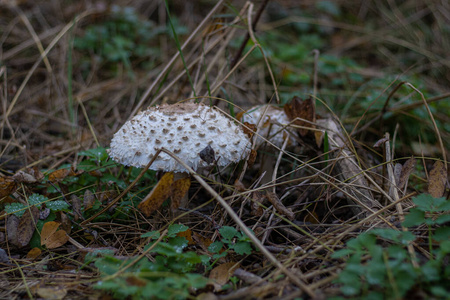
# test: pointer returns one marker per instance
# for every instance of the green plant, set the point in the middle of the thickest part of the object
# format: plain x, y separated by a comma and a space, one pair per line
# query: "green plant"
170, 275
123, 37
376, 270
234, 240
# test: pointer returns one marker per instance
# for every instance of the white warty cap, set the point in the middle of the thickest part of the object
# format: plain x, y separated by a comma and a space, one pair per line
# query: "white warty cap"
185, 129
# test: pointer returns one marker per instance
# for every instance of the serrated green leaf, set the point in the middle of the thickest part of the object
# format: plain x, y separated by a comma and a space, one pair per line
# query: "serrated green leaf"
426, 202
176, 228
442, 234
242, 248
98, 154
228, 232
397, 253
178, 243
397, 236
36, 199
215, 247
341, 253
17, 209
108, 265
442, 219
154, 235
57, 205
415, 217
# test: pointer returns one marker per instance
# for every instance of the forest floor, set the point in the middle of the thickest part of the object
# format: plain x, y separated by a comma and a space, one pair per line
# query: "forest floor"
343, 191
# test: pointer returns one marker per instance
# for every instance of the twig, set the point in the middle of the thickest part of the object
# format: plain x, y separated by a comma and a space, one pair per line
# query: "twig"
243, 227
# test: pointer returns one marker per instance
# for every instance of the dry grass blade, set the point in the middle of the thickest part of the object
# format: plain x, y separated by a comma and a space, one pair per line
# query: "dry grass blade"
244, 228
349, 169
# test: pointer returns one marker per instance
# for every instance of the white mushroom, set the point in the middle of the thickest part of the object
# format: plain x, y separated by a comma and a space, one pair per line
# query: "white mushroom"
272, 125
271, 122
198, 134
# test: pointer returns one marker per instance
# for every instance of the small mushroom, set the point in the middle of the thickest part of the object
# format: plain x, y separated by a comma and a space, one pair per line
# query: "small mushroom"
271, 122
272, 125
186, 129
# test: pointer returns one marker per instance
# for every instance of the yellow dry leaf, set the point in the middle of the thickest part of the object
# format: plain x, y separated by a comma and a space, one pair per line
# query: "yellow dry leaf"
221, 274
51, 237
58, 175
179, 189
34, 253
157, 196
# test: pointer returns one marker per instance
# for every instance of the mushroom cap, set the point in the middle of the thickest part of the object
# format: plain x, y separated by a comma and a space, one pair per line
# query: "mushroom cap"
186, 129
271, 127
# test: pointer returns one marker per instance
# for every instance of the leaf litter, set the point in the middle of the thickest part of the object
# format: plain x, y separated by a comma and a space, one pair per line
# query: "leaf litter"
326, 191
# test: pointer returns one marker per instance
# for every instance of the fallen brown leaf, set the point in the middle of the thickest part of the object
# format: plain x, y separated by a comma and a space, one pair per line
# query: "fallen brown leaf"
437, 180
76, 206
222, 273
22, 177
88, 199
157, 196
299, 110
7, 186
407, 169
12, 224
51, 293
27, 226
51, 237
34, 253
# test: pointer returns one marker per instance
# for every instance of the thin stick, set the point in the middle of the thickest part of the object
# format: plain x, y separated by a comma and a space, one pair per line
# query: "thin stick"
234, 216
393, 192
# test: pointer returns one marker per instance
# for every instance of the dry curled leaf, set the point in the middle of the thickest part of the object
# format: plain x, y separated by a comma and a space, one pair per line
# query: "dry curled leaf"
34, 253
407, 169
157, 196
222, 273
76, 206
12, 224
27, 226
381, 142
437, 180
7, 186
22, 177
58, 175
257, 199
88, 199
249, 129
51, 237
66, 223
240, 187
298, 111
52, 293
252, 157
179, 188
